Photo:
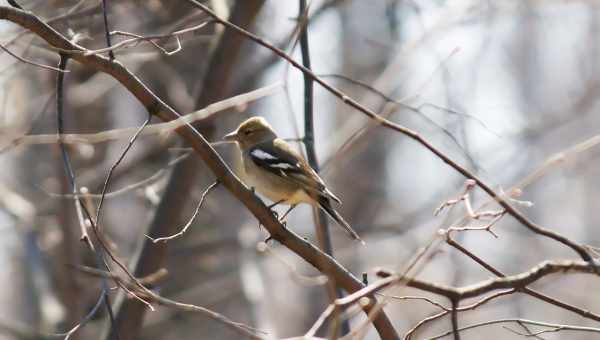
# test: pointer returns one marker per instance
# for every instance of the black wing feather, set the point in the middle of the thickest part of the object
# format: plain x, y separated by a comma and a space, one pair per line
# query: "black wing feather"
276, 162
278, 158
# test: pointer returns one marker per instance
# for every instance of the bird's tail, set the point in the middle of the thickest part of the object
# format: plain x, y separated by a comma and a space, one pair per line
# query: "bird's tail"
325, 204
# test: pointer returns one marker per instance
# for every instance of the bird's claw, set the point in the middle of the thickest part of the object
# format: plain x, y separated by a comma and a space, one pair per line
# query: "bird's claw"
270, 238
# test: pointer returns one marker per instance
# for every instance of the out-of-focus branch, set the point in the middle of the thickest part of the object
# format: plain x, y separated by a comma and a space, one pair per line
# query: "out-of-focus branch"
240, 328
229, 180
579, 249
26, 61
159, 128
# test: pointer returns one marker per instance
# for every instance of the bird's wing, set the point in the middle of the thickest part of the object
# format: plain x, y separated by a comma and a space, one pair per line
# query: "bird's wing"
279, 158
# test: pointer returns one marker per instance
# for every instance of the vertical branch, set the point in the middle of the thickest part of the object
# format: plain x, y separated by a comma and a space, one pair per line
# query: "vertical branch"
309, 133
104, 297
309, 142
60, 77
111, 55
454, 318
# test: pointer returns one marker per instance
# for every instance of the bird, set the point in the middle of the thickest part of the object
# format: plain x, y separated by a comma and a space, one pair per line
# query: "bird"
280, 173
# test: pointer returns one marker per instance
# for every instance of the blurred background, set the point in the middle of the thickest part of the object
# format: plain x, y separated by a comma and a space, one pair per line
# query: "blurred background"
499, 86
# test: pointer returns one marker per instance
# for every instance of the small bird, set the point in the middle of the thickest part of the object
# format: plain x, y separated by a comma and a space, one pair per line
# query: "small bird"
277, 171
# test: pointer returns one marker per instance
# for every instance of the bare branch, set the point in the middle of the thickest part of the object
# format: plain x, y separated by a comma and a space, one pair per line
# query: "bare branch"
509, 282
190, 221
526, 290
151, 39
26, 61
551, 327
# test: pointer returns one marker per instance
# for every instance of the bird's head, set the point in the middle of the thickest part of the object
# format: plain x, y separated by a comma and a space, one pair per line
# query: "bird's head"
251, 132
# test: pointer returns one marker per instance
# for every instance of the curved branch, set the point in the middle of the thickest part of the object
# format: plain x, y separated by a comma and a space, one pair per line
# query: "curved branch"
518, 281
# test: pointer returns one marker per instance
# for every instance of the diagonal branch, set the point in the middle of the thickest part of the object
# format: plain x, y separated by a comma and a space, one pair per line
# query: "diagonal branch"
579, 249
215, 163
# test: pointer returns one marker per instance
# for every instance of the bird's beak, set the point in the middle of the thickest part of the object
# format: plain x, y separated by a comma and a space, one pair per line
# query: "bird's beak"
231, 137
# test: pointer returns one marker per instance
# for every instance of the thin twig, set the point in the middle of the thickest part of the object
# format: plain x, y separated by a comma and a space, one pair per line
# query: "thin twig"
551, 327
138, 38
472, 306
26, 61
529, 332
106, 29
116, 163
419, 298
190, 221
150, 38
